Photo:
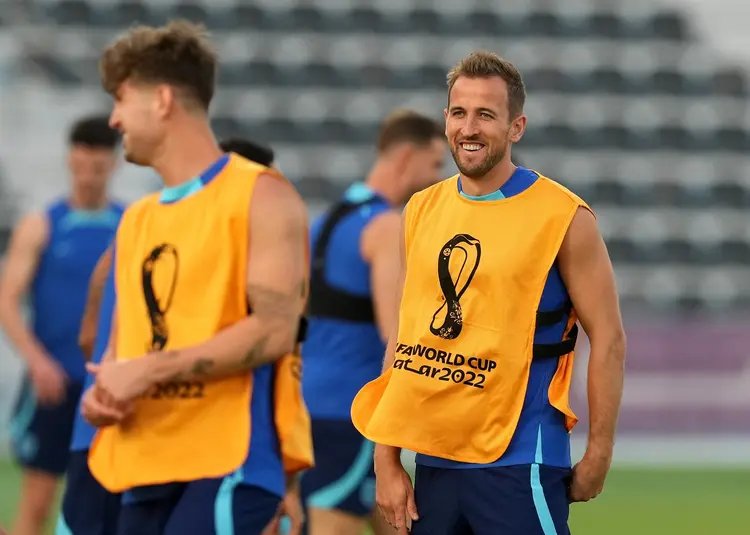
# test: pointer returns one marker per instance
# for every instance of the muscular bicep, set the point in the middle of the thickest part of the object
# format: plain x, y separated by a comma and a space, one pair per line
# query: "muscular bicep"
22, 259
587, 271
380, 246
277, 268
89, 323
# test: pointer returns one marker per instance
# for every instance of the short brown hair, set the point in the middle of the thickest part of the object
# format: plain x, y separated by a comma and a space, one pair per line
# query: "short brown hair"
482, 64
179, 54
407, 126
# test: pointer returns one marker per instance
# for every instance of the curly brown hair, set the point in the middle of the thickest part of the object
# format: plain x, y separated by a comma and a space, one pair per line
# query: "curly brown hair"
483, 64
179, 54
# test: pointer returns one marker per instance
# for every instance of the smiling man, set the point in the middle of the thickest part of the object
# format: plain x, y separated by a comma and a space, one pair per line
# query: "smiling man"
497, 265
210, 279
352, 291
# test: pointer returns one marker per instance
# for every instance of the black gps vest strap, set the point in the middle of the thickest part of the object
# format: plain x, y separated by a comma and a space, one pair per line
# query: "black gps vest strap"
549, 318
326, 301
302, 329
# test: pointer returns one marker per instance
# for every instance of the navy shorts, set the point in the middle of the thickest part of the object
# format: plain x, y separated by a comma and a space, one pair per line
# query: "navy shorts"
508, 500
343, 477
40, 435
87, 508
205, 507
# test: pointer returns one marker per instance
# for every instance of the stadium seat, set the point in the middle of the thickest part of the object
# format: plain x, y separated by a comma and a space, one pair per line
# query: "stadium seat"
535, 22
194, 12
731, 195
320, 188
125, 14
71, 12
729, 83
668, 26
243, 15
363, 18
624, 104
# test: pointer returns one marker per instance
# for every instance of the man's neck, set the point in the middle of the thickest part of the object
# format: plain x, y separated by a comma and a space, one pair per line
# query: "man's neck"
491, 182
186, 154
382, 180
80, 201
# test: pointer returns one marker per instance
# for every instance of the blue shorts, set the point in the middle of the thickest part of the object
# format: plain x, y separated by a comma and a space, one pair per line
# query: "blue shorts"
87, 508
205, 507
343, 477
512, 500
40, 436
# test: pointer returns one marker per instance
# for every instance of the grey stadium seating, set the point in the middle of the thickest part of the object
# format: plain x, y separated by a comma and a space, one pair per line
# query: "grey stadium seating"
625, 107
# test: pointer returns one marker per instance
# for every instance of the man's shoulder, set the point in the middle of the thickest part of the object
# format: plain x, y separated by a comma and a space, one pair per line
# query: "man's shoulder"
240, 168
560, 190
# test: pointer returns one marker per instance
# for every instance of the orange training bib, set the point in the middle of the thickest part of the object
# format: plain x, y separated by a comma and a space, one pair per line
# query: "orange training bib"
291, 416
475, 272
180, 278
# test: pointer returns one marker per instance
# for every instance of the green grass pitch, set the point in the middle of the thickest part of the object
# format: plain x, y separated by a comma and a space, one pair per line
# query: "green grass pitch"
635, 502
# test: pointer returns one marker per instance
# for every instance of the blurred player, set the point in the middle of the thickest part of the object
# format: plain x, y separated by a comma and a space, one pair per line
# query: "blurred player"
352, 289
249, 150
211, 282
478, 371
50, 258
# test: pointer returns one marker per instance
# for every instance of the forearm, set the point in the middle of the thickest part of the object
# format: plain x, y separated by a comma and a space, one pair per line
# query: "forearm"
90, 321
87, 338
386, 456
292, 482
246, 345
20, 335
89, 326
605, 383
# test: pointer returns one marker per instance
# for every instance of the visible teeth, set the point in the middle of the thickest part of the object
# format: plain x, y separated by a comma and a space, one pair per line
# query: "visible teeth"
471, 146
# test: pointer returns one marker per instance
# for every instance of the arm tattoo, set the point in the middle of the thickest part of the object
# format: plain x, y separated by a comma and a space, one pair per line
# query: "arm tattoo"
172, 355
280, 313
273, 304
202, 367
256, 353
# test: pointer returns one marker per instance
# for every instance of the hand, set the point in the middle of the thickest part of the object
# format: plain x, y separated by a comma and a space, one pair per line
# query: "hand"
290, 507
48, 379
588, 478
394, 495
274, 526
121, 382
98, 413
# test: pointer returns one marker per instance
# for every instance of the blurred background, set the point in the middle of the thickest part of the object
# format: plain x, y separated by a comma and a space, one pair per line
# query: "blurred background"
640, 107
